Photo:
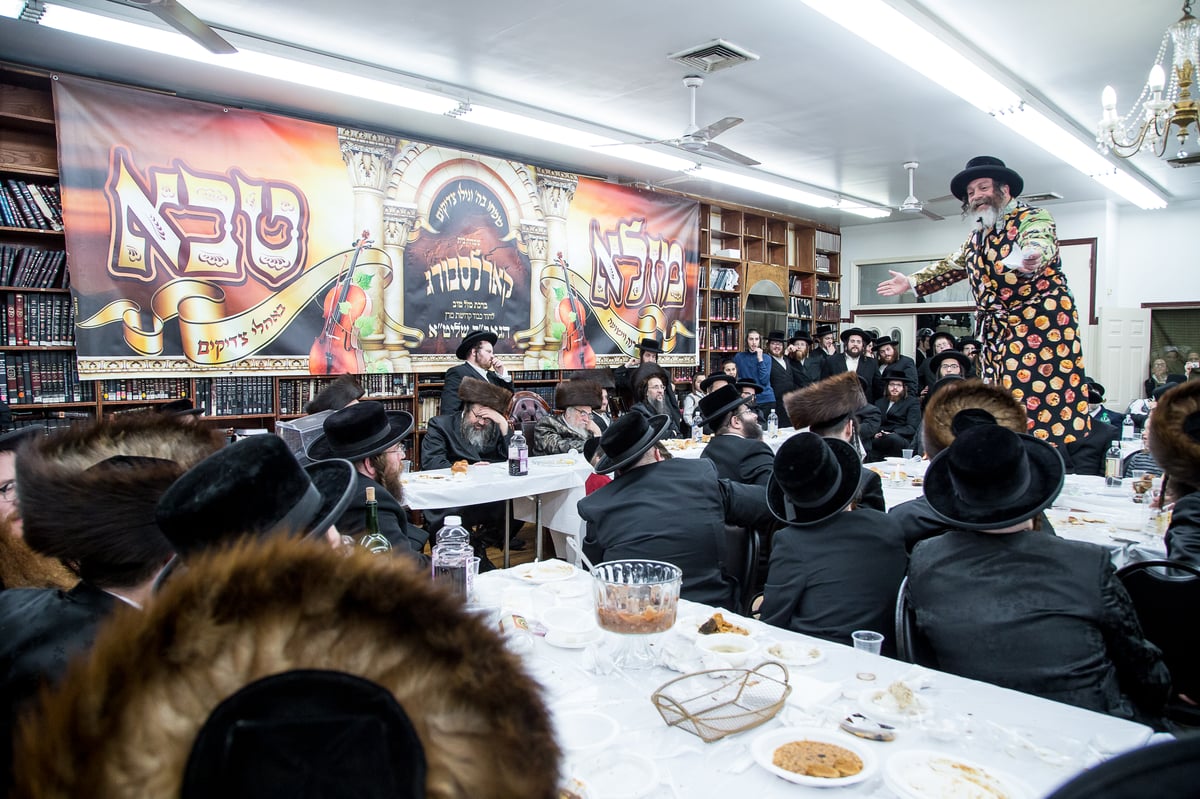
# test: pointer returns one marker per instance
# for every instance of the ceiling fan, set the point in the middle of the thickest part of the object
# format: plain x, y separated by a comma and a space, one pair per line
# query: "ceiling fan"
911, 204
184, 21
700, 140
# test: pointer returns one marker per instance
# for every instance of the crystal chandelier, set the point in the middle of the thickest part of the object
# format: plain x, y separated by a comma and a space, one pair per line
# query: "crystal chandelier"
1161, 104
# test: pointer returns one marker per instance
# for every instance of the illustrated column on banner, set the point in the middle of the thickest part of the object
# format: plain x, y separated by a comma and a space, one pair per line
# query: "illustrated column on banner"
398, 220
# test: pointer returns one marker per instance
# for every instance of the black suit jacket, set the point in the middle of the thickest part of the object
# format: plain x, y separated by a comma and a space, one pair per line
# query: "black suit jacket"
807, 373
835, 577
454, 377
909, 367
782, 381
443, 444
676, 428
868, 370
393, 519
637, 516
742, 460
1086, 455
902, 418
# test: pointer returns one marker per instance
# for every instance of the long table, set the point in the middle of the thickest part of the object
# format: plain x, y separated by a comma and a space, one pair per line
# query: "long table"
1039, 743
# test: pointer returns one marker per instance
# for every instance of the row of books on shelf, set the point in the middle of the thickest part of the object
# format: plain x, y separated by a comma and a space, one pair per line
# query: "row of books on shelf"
723, 278
827, 289
720, 337
823, 263
797, 285
138, 389
828, 312
30, 205
429, 407
50, 419
43, 377
236, 396
726, 308
799, 306
37, 320
829, 242
33, 267
295, 393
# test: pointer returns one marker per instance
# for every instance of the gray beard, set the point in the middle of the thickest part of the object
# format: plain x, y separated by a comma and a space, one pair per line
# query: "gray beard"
986, 216
482, 440
658, 405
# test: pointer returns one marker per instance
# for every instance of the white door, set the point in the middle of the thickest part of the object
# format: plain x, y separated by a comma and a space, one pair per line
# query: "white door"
900, 327
1120, 354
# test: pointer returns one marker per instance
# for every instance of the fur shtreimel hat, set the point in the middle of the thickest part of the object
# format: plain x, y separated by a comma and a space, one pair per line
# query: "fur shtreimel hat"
571, 393
276, 607
87, 493
482, 392
825, 401
960, 395
1175, 433
602, 377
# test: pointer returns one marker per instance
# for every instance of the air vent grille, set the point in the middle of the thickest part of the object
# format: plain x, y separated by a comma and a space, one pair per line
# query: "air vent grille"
713, 56
1041, 197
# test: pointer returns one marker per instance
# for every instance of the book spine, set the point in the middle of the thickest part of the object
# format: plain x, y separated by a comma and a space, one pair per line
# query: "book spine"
53, 220
24, 215
35, 212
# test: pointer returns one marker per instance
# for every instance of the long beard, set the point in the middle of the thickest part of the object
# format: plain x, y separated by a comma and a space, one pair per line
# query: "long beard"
752, 429
480, 439
657, 405
580, 427
390, 480
986, 216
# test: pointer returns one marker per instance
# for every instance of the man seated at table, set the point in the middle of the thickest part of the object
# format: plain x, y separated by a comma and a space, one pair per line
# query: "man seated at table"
954, 406
372, 438
1000, 602
480, 363
650, 382
1175, 443
828, 409
736, 448
715, 381
477, 433
671, 510
750, 390
834, 568
558, 433
900, 415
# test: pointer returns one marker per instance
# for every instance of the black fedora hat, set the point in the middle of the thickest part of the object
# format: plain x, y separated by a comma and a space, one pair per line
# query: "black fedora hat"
986, 166
359, 431
179, 407
1095, 391
965, 340
716, 377
800, 335
748, 383
628, 438
943, 334
253, 487
894, 371
650, 345
717, 404
471, 339
307, 732
936, 361
777, 335
13, 439
813, 479
823, 330
990, 478
883, 341
854, 331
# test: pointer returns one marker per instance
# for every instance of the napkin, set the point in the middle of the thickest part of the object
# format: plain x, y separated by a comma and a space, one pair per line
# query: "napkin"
807, 692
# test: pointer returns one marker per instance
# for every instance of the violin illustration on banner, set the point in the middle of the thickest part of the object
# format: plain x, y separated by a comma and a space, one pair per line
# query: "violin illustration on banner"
576, 352
336, 349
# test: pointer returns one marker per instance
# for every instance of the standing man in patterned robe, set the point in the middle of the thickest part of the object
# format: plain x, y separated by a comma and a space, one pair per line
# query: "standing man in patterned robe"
1027, 320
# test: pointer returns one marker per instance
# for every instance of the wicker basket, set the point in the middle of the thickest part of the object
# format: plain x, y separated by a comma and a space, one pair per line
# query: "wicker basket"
714, 704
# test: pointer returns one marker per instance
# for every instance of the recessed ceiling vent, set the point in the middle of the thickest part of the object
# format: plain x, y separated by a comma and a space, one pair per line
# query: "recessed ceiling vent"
713, 56
1041, 196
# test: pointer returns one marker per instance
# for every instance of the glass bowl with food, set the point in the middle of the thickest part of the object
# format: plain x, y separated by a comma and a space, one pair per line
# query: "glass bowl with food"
636, 599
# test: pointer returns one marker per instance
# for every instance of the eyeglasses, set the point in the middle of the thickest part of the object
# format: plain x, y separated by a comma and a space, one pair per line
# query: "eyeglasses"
399, 449
477, 415
8, 490
581, 411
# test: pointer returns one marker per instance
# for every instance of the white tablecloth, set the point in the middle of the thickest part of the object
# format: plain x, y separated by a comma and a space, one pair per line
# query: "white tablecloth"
1040, 743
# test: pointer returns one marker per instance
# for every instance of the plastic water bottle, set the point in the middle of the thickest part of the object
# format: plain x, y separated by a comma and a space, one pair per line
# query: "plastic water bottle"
697, 427
772, 423
452, 532
1127, 428
1112, 465
451, 562
518, 455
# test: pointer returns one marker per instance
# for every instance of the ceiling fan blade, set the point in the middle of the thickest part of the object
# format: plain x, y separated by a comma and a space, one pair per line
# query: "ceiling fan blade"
942, 199
725, 154
925, 212
714, 130
185, 22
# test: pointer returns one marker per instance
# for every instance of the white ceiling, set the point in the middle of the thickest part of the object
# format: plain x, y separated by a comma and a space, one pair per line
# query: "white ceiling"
820, 105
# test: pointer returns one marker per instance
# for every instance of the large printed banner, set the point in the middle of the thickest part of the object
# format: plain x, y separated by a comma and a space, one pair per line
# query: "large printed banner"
203, 238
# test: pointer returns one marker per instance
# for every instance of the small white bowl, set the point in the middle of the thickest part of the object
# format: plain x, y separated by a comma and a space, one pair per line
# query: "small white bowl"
733, 648
568, 624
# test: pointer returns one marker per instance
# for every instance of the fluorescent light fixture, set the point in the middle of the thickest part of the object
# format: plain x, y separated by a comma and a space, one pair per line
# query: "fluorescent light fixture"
535, 128
644, 155
761, 186
869, 211
11, 8
157, 40
912, 45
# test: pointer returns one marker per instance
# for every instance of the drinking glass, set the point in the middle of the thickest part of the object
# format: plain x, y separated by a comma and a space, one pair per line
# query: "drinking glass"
867, 641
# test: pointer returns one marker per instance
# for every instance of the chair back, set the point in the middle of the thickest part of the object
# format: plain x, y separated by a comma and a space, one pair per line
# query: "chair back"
1161, 590
524, 410
741, 563
911, 646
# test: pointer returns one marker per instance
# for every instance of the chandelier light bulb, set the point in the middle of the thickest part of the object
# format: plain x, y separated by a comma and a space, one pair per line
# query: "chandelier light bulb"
1157, 79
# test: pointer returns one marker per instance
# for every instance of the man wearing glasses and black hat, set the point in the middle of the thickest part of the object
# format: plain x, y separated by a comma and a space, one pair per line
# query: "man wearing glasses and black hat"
481, 363
736, 448
372, 438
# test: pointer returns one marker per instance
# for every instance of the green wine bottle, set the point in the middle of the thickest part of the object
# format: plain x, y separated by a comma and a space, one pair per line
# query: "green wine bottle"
373, 540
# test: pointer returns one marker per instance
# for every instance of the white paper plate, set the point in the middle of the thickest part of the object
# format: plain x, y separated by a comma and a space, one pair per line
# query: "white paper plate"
618, 774
920, 773
563, 641
689, 625
582, 730
546, 571
794, 653
875, 703
763, 750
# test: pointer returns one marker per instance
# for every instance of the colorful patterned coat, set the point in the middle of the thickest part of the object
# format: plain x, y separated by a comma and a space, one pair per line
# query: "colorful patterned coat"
1028, 323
